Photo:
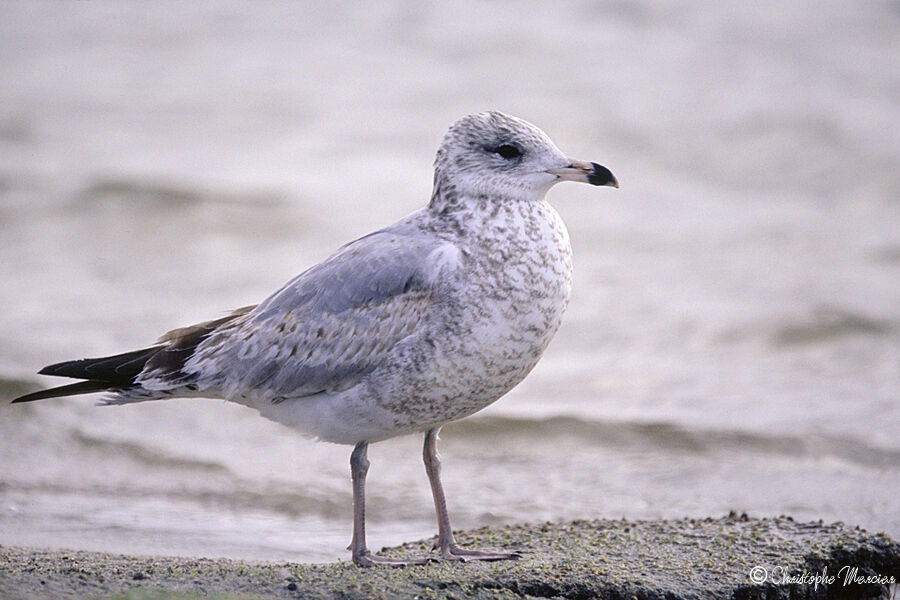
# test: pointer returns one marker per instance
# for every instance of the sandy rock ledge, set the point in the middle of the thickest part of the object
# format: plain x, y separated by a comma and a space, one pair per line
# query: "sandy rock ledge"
731, 557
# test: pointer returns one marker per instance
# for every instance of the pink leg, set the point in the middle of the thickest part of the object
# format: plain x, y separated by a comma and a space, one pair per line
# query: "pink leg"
359, 466
446, 542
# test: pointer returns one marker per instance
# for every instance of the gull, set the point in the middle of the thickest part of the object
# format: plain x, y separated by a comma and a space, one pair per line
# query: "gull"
403, 330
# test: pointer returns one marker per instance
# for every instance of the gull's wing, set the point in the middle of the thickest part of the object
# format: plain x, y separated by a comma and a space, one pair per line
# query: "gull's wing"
327, 327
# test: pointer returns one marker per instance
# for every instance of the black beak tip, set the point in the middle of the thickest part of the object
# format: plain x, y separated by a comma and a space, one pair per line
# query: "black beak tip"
602, 176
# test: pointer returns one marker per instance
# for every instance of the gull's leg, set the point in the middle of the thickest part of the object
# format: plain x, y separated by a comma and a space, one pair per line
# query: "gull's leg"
359, 466
446, 542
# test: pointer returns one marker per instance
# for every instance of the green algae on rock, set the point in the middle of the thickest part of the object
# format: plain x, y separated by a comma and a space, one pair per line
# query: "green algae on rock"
730, 557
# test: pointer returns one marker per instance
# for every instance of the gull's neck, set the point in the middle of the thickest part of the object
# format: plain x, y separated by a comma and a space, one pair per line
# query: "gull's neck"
489, 214
448, 198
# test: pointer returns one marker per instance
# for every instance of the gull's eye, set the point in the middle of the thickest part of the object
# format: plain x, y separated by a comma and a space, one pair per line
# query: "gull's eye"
507, 151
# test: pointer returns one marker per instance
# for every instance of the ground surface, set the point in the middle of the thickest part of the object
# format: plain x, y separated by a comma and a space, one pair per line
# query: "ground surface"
731, 557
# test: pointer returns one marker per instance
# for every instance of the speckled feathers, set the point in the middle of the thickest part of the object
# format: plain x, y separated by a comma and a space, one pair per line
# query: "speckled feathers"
420, 323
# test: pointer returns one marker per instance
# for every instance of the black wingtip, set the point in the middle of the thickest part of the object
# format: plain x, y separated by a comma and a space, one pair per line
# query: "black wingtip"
73, 389
119, 368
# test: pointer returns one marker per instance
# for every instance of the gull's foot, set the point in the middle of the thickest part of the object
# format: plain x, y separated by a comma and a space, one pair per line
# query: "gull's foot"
454, 552
367, 559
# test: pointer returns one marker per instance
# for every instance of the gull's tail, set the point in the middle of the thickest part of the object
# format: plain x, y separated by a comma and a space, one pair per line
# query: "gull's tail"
109, 373
121, 373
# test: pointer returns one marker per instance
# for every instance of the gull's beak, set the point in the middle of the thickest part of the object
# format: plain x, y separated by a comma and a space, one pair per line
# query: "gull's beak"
587, 172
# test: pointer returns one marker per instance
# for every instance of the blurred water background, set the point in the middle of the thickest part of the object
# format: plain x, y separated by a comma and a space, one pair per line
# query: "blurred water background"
731, 344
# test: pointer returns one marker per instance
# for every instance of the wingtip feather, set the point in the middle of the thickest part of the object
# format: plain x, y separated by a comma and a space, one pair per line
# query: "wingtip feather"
73, 389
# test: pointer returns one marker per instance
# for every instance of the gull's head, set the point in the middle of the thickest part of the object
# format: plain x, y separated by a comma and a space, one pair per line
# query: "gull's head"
494, 154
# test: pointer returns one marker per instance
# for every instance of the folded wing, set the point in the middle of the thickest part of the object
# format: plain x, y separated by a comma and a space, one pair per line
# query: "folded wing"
325, 329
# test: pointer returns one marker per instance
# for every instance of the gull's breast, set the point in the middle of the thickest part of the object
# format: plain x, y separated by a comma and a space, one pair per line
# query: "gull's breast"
517, 277
498, 305
522, 287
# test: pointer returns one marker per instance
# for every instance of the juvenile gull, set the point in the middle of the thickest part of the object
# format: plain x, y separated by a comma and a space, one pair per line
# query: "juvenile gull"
403, 330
